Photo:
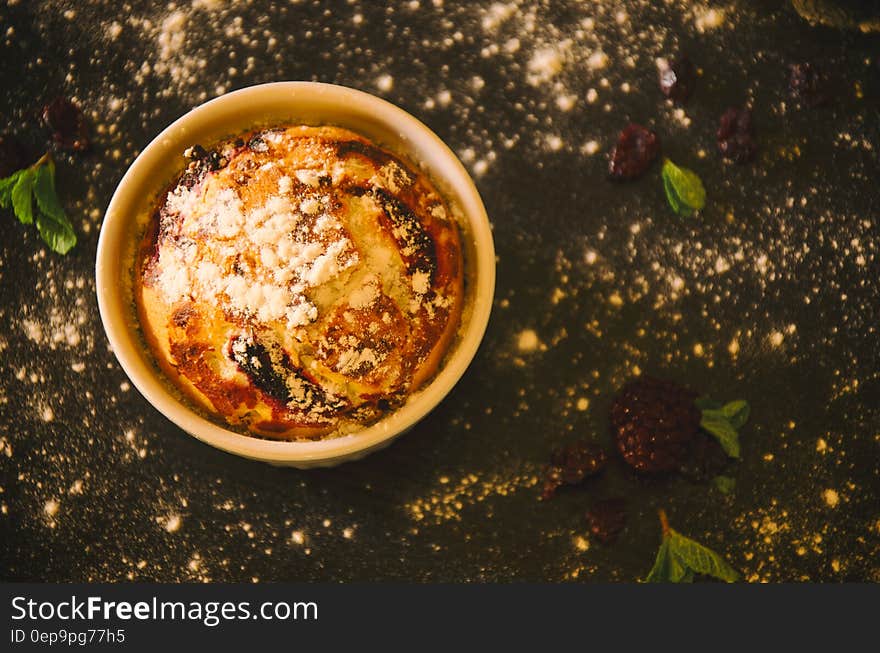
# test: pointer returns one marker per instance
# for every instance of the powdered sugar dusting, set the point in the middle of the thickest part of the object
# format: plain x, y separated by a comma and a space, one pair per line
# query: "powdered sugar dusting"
274, 286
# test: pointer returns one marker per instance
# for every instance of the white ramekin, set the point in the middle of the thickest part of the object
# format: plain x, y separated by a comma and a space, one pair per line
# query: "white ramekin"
264, 105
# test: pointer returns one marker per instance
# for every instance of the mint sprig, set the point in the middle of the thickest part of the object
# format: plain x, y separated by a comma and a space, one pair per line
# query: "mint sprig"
680, 558
724, 422
34, 188
684, 190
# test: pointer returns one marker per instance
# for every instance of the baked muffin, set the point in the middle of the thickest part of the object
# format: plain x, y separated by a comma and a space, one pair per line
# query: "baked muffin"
299, 281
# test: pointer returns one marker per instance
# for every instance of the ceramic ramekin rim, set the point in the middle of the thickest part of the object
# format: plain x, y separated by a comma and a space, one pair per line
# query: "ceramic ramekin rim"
147, 378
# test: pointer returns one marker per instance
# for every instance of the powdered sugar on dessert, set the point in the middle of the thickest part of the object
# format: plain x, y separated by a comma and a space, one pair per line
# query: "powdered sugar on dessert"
272, 284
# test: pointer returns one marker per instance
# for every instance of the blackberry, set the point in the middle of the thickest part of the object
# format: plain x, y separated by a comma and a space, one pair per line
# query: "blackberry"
636, 149
571, 464
606, 519
736, 135
653, 421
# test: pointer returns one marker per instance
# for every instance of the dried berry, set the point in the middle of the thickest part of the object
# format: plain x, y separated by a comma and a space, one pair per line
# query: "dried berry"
736, 135
636, 149
653, 422
677, 79
571, 464
67, 124
808, 84
12, 155
606, 519
579, 460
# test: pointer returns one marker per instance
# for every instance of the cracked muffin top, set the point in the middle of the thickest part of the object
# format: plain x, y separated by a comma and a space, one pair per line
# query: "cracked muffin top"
299, 281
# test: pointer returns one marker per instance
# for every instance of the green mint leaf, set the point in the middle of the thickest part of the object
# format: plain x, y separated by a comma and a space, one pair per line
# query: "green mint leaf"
687, 185
58, 235
700, 559
52, 221
22, 201
6, 186
667, 567
684, 190
718, 424
724, 422
680, 558
37, 182
672, 197
737, 412
725, 484
44, 192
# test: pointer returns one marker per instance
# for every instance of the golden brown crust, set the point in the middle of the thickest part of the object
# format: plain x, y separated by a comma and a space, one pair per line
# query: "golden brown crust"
300, 279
